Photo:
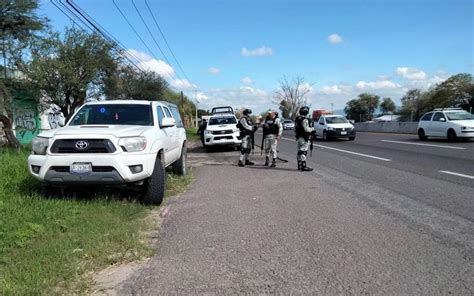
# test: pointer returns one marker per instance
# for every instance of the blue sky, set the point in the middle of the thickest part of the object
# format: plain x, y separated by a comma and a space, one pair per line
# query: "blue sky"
234, 52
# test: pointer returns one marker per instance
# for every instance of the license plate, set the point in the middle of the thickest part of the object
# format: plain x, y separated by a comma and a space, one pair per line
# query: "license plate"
81, 168
343, 133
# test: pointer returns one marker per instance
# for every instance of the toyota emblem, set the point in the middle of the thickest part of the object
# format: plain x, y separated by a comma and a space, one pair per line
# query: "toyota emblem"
81, 145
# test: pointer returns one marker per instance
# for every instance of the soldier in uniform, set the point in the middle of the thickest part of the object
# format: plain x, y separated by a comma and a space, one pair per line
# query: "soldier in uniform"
272, 130
201, 130
303, 132
246, 130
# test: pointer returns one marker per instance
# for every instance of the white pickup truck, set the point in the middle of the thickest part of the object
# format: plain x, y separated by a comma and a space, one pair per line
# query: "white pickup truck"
113, 143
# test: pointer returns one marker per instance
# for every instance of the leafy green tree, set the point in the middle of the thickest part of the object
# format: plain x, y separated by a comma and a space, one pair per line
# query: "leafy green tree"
18, 25
412, 104
132, 84
71, 69
456, 91
387, 106
357, 110
371, 101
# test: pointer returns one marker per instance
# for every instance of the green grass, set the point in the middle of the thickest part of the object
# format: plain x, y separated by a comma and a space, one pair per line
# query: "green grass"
51, 246
191, 134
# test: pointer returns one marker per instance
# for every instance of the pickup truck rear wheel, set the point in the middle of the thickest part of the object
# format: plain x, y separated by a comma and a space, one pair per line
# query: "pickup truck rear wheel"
179, 167
154, 187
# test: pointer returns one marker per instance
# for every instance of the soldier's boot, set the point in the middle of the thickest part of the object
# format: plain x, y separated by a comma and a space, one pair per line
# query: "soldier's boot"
241, 164
304, 168
273, 163
266, 161
248, 162
299, 165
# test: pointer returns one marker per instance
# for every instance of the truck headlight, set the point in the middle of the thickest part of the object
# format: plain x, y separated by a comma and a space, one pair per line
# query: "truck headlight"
39, 145
206, 132
133, 144
330, 128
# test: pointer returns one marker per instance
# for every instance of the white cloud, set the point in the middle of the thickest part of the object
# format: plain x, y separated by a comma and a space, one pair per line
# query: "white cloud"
246, 81
261, 51
214, 71
377, 85
201, 97
334, 38
183, 84
150, 64
331, 90
411, 73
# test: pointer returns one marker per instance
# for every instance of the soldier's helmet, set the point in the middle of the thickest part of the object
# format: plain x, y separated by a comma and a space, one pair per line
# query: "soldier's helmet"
304, 110
247, 112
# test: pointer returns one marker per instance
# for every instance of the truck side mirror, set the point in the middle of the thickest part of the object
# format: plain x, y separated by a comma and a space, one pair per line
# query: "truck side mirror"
168, 122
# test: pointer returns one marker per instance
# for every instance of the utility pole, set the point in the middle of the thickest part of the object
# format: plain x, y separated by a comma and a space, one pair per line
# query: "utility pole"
195, 98
332, 107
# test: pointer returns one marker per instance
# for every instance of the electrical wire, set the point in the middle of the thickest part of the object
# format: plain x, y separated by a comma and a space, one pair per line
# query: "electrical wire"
167, 44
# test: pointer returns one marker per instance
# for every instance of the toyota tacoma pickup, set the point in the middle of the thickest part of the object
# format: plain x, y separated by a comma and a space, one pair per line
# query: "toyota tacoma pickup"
113, 143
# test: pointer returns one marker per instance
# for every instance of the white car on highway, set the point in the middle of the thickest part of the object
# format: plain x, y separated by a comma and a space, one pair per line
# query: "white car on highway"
450, 123
334, 126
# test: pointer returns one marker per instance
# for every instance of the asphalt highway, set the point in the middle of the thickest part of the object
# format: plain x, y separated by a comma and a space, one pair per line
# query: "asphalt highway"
379, 215
437, 173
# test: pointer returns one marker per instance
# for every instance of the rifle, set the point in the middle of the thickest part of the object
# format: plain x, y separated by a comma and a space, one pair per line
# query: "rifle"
252, 138
263, 143
311, 139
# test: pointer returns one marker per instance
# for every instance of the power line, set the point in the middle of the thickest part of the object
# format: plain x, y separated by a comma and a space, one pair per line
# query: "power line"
151, 34
166, 41
138, 35
72, 16
104, 33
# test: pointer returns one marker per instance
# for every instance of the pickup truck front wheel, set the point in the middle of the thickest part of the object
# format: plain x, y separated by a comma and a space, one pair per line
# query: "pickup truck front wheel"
179, 167
154, 187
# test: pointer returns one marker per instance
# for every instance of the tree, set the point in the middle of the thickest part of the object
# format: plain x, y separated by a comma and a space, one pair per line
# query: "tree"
412, 104
387, 106
291, 95
357, 110
132, 84
456, 91
362, 108
371, 101
285, 110
18, 24
71, 70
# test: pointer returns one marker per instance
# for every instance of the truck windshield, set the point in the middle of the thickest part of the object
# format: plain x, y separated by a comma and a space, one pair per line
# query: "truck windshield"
114, 114
222, 120
336, 119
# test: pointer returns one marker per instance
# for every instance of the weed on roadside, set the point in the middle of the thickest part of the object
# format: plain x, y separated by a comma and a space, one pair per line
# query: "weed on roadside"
48, 244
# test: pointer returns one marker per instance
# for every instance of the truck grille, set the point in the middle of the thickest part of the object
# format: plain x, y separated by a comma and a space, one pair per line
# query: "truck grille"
95, 169
83, 146
224, 132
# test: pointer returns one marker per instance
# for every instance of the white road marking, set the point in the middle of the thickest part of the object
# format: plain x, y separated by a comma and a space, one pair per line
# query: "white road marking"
421, 144
344, 151
457, 174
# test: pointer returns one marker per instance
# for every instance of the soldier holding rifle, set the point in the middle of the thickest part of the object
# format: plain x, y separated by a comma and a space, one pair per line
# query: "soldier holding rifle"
304, 133
247, 130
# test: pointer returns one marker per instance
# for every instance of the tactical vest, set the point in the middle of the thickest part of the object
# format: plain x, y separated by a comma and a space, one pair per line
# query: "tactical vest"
299, 129
244, 131
270, 127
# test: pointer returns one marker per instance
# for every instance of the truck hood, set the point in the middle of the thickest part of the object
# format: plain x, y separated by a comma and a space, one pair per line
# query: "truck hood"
340, 125
89, 130
219, 127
